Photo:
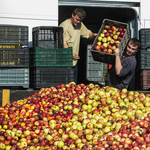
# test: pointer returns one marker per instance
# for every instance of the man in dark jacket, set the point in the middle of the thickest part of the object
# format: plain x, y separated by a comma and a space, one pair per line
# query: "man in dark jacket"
122, 72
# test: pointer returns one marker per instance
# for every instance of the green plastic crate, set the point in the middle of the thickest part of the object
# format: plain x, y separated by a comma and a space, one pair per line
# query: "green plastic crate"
61, 57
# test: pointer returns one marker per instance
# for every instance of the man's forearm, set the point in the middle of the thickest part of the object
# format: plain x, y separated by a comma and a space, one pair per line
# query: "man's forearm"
92, 36
118, 65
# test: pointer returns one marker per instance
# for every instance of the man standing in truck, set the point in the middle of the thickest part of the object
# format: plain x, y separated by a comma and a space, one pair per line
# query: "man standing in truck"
73, 30
122, 72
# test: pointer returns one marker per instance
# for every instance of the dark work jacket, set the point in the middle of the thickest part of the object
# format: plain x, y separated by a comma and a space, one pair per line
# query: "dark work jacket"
123, 79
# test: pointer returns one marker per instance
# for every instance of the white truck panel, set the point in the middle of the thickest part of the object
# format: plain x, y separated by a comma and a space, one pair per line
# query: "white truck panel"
145, 17
33, 13
29, 13
121, 0
45, 9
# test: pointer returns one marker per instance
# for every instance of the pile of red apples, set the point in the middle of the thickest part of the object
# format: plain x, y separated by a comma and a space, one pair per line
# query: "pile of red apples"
109, 39
77, 117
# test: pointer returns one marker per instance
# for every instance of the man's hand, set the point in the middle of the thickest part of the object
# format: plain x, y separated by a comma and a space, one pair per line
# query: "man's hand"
92, 36
95, 34
75, 57
65, 45
117, 52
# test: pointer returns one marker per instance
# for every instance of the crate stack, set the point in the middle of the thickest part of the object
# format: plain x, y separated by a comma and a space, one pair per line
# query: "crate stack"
50, 63
95, 71
14, 56
143, 61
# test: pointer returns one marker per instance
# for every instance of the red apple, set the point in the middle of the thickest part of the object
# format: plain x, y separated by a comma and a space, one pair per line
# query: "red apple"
117, 44
120, 29
99, 50
114, 32
107, 34
110, 31
99, 38
99, 43
113, 47
109, 38
115, 37
112, 42
109, 51
118, 33
104, 39
113, 28
109, 46
105, 50
107, 27
122, 33
97, 47
104, 31
111, 35
102, 47
119, 38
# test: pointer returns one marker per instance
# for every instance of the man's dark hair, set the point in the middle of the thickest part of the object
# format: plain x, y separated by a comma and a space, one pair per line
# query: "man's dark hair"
135, 42
79, 12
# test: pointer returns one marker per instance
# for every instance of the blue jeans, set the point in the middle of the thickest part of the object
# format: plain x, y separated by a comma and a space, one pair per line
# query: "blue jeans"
75, 68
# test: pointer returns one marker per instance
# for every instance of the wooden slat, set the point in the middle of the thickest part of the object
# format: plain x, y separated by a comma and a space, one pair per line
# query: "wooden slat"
5, 96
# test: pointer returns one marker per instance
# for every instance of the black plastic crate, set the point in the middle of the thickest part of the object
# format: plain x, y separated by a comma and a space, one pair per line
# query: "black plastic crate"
12, 35
142, 79
105, 57
14, 57
144, 37
143, 59
47, 37
61, 57
43, 77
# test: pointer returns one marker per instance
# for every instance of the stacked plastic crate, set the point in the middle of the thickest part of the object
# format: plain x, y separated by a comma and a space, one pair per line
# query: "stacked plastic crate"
50, 63
106, 57
143, 61
95, 71
14, 56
